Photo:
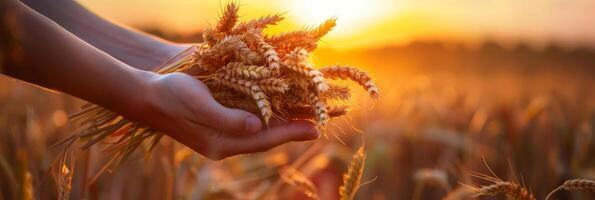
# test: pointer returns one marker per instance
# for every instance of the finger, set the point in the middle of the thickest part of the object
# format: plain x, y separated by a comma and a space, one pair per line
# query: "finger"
232, 121
267, 139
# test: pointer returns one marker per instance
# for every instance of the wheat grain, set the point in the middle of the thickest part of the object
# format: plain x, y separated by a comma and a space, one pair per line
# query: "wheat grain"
239, 70
270, 55
319, 109
273, 85
575, 185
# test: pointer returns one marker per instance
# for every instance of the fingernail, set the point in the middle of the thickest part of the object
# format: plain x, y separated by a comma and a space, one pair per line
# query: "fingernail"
252, 124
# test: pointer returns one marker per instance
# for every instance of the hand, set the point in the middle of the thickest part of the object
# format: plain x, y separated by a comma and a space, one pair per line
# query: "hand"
183, 108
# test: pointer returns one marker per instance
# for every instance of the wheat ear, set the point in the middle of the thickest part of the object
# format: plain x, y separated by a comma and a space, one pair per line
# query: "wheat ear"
219, 54
509, 189
273, 85
228, 19
297, 61
353, 176
575, 185
319, 110
354, 74
249, 88
239, 70
295, 178
322, 29
259, 23
306, 39
271, 57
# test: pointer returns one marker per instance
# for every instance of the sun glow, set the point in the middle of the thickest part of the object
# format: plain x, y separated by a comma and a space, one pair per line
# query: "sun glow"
351, 14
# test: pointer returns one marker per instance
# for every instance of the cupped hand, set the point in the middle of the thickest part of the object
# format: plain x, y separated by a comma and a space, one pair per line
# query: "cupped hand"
183, 108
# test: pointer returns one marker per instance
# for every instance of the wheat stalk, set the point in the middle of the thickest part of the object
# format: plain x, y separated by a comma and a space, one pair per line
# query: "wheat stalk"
575, 185
295, 178
353, 176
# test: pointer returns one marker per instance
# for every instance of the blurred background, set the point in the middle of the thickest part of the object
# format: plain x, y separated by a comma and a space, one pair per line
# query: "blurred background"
464, 84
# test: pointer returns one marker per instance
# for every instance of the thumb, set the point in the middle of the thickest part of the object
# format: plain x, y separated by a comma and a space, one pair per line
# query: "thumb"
233, 121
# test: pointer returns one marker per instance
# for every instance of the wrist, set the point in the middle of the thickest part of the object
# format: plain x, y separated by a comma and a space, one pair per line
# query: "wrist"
140, 98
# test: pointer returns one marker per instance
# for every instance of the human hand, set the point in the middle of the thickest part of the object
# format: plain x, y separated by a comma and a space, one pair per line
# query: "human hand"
183, 108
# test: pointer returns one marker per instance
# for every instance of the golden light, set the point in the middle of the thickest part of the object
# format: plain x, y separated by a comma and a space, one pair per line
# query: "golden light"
352, 15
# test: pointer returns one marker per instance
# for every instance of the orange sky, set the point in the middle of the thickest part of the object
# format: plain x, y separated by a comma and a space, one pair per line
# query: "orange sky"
380, 22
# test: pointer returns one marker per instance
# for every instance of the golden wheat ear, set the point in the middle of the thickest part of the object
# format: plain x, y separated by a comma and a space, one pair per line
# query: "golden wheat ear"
323, 29
249, 88
346, 72
297, 61
353, 176
510, 189
249, 72
581, 185
259, 23
228, 19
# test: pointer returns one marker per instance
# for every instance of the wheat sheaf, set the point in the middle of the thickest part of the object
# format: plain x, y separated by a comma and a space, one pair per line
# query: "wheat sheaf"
268, 75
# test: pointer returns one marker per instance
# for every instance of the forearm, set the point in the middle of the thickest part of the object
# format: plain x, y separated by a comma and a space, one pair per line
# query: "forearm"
47, 55
132, 47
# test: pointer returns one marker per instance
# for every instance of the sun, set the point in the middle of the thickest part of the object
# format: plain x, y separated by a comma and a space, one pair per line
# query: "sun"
351, 14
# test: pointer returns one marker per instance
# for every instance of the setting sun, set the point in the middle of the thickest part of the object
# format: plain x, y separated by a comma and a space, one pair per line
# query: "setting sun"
351, 14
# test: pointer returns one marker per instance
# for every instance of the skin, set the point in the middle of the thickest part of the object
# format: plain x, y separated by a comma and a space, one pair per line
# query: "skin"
83, 55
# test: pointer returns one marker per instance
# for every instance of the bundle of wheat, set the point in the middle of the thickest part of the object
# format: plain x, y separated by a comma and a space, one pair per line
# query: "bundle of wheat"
245, 69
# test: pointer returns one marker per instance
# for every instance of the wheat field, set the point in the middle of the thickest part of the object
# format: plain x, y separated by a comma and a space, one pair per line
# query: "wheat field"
450, 123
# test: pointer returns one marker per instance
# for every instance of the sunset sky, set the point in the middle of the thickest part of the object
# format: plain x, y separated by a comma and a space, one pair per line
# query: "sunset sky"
381, 22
